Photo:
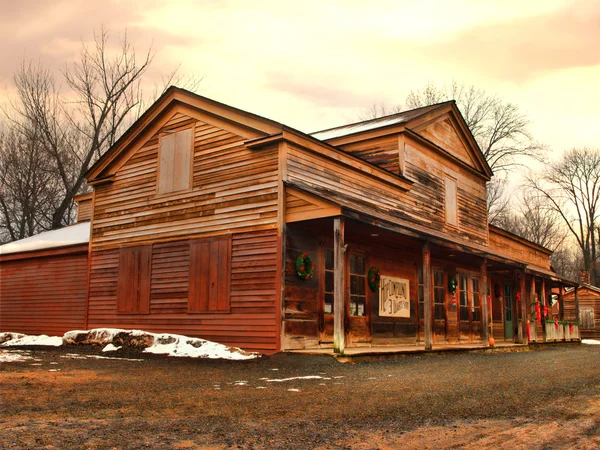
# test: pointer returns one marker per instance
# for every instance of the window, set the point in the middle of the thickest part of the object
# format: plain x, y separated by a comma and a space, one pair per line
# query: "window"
358, 279
475, 300
328, 294
451, 204
175, 161
421, 294
210, 267
439, 295
133, 285
463, 298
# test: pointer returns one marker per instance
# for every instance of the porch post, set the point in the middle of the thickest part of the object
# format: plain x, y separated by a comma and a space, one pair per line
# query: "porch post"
561, 303
427, 296
577, 317
339, 334
485, 335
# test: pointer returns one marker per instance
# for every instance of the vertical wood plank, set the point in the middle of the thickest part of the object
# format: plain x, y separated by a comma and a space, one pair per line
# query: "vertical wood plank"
339, 310
485, 317
213, 281
203, 276
282, 178
224, 269
577, 315
427, 296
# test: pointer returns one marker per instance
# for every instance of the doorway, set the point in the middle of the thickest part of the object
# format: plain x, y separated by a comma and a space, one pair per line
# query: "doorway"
508, 312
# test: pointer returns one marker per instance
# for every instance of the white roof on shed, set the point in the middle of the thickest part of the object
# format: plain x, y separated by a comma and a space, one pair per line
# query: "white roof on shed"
71, 235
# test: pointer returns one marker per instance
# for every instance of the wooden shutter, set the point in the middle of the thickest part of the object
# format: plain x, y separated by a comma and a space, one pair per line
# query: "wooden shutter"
210, 268
175, 161
451, 206
133, 287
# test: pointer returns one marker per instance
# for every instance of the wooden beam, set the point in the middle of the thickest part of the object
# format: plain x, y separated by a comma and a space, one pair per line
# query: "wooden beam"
427, 296
577, 317
484, 305
561, 303
339, 313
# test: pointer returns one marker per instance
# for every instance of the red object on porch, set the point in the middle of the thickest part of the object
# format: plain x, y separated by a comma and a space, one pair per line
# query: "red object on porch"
538, 314
570, 328
556, 324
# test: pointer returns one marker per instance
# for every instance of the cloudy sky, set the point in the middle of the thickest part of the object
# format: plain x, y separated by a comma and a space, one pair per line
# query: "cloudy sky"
318, 64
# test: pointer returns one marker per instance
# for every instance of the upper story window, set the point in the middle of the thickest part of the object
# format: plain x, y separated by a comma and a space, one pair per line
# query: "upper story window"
451, 204
175, 157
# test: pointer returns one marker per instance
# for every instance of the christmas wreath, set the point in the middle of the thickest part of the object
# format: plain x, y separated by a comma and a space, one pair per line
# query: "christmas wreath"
374, 278
452, 284
305, 268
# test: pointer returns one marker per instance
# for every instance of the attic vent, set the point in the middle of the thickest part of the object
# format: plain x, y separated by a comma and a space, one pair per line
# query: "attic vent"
175, 162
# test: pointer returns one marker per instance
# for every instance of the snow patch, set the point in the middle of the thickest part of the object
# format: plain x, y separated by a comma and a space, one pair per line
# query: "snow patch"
183, 346
14, 356
71, 235
590, 342
114, 338
49, 341
111, 348
308, 377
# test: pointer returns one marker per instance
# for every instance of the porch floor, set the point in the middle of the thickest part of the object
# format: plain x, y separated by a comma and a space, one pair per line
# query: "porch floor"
382, 351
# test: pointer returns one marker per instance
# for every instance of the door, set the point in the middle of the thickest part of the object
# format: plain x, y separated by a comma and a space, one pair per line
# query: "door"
357, 302
508, 312
469, 307
326, 303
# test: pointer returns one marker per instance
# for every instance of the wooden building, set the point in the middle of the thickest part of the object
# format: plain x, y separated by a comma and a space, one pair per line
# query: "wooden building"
207, 220
587, 298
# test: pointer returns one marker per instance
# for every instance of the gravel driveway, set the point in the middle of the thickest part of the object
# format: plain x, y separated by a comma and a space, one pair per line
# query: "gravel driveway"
69, 398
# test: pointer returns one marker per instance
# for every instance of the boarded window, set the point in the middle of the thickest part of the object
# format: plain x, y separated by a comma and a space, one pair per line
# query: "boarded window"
587, 318
451, 208
210, 267
175, 162
133, 288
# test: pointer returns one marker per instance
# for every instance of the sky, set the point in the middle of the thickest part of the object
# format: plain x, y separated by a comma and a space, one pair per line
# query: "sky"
313, 65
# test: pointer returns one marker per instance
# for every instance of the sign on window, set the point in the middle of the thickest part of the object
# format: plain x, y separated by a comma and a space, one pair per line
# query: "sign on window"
394, 297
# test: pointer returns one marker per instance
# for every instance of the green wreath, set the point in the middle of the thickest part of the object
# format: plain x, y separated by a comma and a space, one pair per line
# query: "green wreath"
305, 268
374, 278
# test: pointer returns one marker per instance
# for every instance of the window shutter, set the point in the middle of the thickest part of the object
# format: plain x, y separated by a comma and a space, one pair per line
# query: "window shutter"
133, 286
175, 161
210, 267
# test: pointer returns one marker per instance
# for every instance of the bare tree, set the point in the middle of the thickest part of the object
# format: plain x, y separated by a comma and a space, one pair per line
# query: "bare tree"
77, 128
379, 110
28, 187
498, 201
571, 186
499, 128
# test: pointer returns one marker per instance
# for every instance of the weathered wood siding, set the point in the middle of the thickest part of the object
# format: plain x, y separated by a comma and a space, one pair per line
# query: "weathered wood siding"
423, 205
251, 321
233, 189
517, 249
84, 209
587, 299
44, 293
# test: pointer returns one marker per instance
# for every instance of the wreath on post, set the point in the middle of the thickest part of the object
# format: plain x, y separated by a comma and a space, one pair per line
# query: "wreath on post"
452, 284
305, 268
374, 278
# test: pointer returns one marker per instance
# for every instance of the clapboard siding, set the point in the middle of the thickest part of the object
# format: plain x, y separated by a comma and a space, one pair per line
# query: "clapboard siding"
382, 152
251, 322
44, 295
423, 205
233, 189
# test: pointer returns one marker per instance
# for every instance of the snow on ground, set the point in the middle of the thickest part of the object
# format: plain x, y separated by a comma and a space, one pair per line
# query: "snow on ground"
71, 235
50, 341
113, 339
14, 356
590, 342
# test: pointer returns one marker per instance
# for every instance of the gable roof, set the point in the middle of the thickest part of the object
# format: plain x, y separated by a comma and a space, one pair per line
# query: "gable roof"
257, 125
372, 124
412, 122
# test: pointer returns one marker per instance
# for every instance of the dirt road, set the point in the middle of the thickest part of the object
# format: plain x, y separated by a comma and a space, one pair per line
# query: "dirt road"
69, 398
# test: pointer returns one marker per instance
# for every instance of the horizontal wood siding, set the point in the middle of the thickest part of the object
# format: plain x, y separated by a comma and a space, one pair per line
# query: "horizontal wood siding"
233, 189
423, 205
251, 322
84, 210
511, 247
382, 152
43, 295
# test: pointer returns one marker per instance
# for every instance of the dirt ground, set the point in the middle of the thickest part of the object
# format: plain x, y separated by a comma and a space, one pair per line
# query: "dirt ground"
69, 398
